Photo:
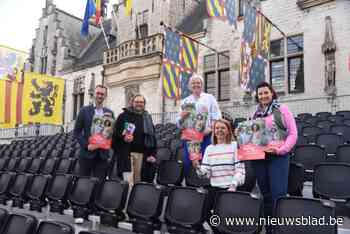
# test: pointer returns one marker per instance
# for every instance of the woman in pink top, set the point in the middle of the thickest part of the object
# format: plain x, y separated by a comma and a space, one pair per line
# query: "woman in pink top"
272, 172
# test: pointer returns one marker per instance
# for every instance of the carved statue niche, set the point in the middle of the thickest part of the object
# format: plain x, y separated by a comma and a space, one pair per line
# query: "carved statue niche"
328, 49
130, 92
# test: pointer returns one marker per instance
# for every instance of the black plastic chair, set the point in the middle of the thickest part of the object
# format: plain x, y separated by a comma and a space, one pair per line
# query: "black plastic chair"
345, 114
346, 122
312, 120
323, 115
311, 132
296, 179
12, 164
186, 210
296, 208
36, 192
3, 163
81, 196
35, 165
20, 224
170, 172
57, 192
344, 130
343, 154
6, 181
163, 154
49, 166
18, 190
110, 201
309, 156
325, 125
54, 227
329, 181
24, 164
336, 119
145, 206
330, 142
64, 166
237, 205
193, 180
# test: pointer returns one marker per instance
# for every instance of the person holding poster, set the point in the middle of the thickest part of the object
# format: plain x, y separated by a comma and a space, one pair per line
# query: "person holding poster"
92, 129
196, 117
134, 142
220, 163
281, 132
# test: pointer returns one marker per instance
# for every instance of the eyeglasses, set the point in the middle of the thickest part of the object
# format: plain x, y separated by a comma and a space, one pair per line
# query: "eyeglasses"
100, 93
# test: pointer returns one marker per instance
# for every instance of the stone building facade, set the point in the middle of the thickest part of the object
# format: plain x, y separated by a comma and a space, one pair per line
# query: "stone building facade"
297, 66
57, 42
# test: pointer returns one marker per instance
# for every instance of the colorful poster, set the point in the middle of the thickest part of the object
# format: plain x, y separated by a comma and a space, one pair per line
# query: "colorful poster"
254, 137
193, 128
102, 131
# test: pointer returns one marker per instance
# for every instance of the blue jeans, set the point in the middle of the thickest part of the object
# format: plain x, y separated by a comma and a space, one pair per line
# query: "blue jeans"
186, 158
272, 176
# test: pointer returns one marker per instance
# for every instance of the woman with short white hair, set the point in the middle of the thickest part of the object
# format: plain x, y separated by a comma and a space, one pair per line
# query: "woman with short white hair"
202, 102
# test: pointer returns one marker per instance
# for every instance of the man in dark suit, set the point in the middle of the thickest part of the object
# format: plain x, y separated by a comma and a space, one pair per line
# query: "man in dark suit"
93, 160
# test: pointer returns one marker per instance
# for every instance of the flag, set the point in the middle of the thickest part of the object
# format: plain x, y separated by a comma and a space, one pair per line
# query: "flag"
42, 99
170, 79
172, 46
180, 61
230, 12
98, 5
128, 7
263, 32
245, 65
10, 103
189, 54
11, 62
184, 84
249, 23
90, 10
257, 72
215, 8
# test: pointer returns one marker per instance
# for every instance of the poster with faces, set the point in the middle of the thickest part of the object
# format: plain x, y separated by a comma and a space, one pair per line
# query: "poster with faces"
102, 131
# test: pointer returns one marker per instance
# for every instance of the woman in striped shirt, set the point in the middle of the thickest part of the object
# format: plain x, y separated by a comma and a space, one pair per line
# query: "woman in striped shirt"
220, 162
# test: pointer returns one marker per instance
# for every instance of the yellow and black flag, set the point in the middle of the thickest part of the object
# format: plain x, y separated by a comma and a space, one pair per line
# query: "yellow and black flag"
189, 54
42, 99
262, 36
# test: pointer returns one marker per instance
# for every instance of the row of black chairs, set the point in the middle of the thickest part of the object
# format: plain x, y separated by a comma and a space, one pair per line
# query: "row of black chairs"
18, 223
146, 201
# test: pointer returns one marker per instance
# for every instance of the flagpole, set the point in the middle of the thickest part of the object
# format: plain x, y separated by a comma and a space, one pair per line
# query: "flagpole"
192, 39
104, 33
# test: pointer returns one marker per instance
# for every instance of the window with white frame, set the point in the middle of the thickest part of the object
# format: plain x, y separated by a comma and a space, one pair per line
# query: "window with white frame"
287, 64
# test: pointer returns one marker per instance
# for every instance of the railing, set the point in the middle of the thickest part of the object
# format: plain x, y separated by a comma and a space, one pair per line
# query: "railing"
35, 130
134, 48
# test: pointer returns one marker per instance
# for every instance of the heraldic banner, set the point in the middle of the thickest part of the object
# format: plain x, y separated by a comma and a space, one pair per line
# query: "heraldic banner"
42, 99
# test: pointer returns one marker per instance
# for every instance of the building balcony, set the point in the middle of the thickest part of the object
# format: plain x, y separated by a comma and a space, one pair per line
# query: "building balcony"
134, 49
304, 4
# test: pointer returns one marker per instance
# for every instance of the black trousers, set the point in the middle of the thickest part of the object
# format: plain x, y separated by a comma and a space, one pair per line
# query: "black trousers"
96, 167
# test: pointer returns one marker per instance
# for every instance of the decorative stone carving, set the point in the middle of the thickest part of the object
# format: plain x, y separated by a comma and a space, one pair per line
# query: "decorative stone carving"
328, 49
130, 92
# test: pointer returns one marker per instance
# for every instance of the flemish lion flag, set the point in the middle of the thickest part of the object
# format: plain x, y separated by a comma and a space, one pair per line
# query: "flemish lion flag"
42, 99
